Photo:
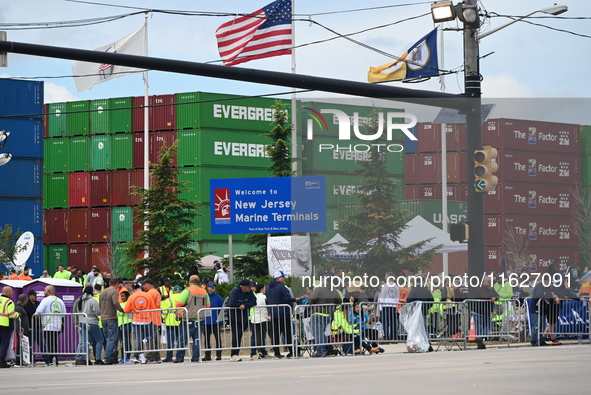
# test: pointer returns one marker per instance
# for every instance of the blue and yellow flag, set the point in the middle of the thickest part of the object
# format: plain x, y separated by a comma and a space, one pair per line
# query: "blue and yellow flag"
418, 62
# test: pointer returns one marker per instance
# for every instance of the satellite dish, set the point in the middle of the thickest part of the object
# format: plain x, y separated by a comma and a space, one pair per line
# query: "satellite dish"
26, 240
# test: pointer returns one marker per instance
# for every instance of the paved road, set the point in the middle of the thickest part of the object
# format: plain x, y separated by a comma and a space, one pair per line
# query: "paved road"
516, 370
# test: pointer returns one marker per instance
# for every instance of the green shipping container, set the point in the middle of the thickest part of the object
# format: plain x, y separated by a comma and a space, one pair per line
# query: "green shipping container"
100, 152
57, 121
202, 222
308, 118
78, 118
55, 191
431, 210
233, 148
222, 249
121, 224
585, 140
121, 151
100, 116
188, 152
328, 154
56, 155
55, 255
120, 115
216, 110
586, 170
197, 179
79, 154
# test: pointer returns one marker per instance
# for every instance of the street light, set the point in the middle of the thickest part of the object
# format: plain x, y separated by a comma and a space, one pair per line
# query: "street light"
5, 157
552, 10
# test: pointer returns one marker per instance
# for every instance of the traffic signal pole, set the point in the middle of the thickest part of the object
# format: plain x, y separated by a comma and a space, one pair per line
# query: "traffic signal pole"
472, 79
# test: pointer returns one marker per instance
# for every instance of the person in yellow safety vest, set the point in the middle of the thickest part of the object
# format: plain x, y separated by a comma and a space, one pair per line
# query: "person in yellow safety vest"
343, 331
502, 305
61, 273
435, 311
98, 279
194, 298
166, 288
7, 317
97, 297
171, 317
124, 324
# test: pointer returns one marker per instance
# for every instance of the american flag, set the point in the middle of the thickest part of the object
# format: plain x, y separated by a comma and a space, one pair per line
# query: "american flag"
262, 34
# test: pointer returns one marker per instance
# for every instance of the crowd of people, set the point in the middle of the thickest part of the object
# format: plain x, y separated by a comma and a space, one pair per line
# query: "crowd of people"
113, 316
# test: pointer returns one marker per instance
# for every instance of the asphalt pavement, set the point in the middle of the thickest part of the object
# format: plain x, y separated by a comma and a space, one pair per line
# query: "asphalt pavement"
517, 370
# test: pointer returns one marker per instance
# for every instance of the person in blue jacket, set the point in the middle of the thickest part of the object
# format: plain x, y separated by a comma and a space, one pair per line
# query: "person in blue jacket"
213, 322
241, 299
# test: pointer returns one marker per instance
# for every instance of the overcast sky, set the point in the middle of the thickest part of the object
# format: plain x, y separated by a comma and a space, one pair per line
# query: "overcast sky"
524, 61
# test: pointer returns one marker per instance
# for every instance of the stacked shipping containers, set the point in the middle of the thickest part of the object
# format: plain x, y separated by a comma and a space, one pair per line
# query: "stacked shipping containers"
21, 114
538, 170
326, 155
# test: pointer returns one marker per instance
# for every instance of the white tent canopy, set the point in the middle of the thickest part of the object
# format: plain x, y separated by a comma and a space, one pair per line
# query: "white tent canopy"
418, 229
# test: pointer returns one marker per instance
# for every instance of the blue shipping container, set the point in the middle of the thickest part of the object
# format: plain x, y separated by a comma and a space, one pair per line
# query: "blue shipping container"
23, 214
411, 146
35, 261
21, 179
26, 137
18, 97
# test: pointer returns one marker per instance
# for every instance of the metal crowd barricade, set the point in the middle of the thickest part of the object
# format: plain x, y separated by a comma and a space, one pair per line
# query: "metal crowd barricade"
384, 322
487, 320
568, 319
148, 336
54, 337
445, 323
323, 331
234, 330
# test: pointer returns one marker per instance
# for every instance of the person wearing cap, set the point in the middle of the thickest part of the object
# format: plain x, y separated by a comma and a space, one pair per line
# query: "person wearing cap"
166, 288
213, 323
22, 326
259, 318
221, 276
171, 317
241, 299
278, 294
194, 298
141, 321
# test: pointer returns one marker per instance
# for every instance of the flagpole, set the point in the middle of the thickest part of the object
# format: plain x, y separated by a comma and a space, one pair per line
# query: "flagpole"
146, 127
445, 260
294, 132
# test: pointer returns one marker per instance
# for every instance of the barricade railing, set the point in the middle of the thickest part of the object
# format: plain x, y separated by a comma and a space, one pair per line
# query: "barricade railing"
445, 323
18, 348
266, 331
146, 334
386, 318
324, 329
487, 320
567, 319
54, 337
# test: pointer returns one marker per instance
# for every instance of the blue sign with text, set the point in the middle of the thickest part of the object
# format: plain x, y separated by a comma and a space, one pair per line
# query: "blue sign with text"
268, 205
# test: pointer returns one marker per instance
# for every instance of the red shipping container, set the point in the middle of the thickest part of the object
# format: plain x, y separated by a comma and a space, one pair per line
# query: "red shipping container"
79, 255
429, 137
535, 230
55, 226
538, 258
162, 113
121, 181
138, 151
410, 169
521, 198
454, 166
100, 224
137, 179
79, 190
428, 168
100, 189
411, 192
78, 231
519, 134
100, 256
137, 226
157, 140
456, 192
455, 137
538, 167
431, 191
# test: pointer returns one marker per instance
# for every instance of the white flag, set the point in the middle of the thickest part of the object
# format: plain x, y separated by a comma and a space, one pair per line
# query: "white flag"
87, 75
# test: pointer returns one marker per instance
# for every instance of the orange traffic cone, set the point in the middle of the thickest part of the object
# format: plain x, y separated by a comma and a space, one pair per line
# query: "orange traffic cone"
472, 331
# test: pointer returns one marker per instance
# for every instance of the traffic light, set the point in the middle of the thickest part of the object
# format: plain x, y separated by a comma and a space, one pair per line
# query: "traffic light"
459, 232
484, 167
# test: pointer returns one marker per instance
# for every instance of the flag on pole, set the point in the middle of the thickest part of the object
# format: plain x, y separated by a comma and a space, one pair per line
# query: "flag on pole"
262, 34
87, 75
418, 62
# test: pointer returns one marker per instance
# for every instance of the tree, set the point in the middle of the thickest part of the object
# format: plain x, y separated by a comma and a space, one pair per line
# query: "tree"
374, 231
516, 248
8, 247
254, 263
170, 233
